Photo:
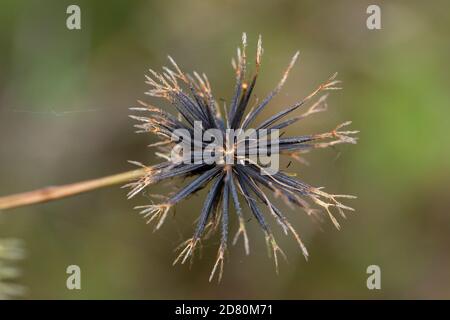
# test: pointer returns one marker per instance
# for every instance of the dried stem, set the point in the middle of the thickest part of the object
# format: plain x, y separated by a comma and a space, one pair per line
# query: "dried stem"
58, 192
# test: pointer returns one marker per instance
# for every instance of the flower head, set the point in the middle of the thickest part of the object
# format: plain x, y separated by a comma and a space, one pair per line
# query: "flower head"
220, 155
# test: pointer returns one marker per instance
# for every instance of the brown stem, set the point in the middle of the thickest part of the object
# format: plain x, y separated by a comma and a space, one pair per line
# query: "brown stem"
58, 192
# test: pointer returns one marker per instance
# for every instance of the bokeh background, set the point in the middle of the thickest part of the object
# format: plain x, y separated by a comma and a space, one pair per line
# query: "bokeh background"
64, 98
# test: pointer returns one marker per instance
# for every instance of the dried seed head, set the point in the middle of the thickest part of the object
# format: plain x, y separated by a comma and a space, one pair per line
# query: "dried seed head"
192, 97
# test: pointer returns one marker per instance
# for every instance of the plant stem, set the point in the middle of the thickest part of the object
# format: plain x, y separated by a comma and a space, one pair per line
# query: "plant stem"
58, 192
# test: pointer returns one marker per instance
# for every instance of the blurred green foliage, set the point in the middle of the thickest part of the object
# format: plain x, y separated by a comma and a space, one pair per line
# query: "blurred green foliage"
63, 117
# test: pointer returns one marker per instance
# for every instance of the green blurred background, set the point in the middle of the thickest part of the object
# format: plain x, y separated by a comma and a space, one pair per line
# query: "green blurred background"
64, 98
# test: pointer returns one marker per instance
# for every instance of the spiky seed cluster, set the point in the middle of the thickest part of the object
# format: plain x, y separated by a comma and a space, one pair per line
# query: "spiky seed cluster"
10, 251
192, 98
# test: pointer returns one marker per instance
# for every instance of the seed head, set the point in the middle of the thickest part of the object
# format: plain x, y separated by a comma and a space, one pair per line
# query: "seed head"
246, 175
